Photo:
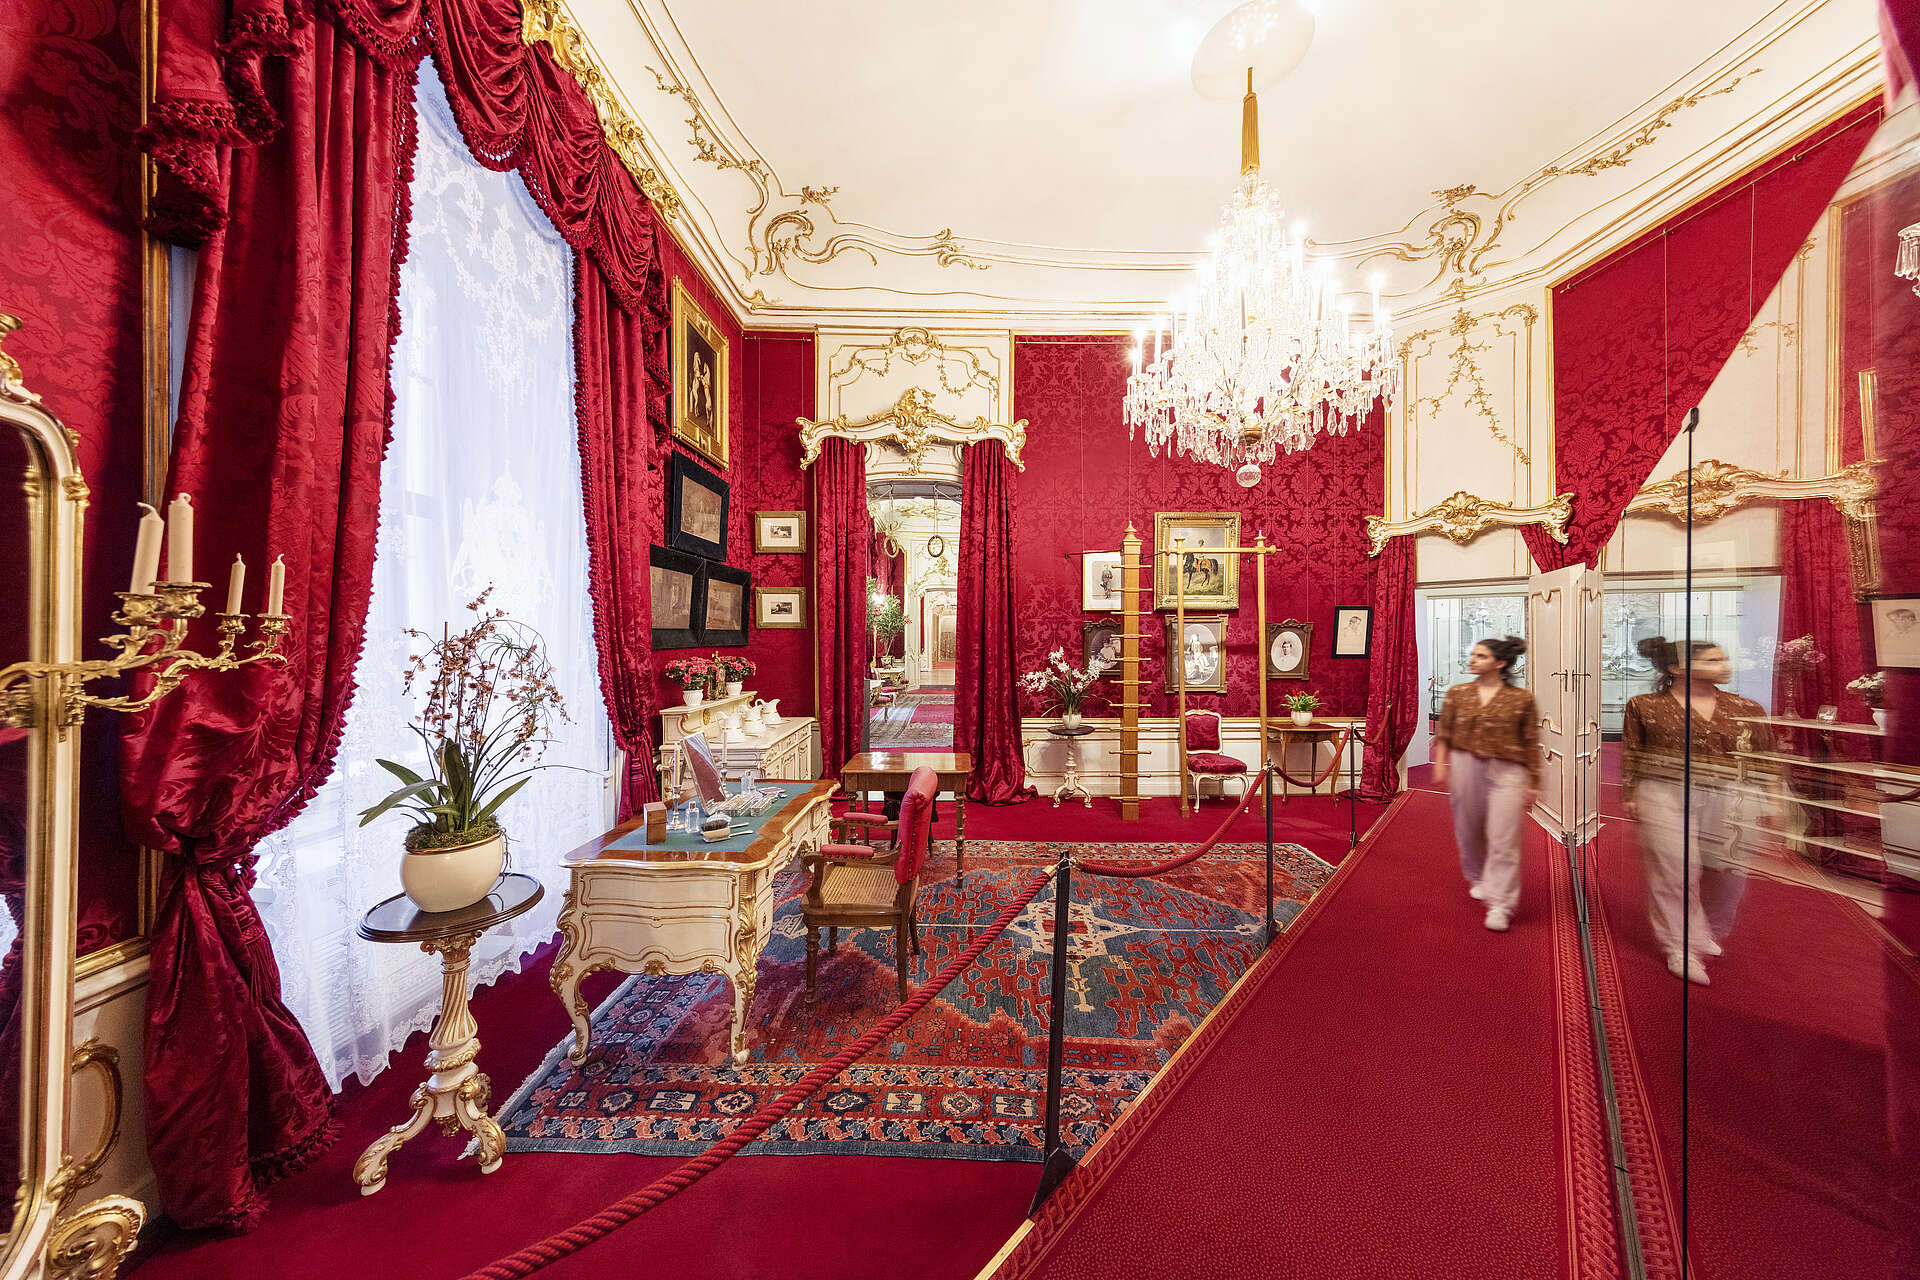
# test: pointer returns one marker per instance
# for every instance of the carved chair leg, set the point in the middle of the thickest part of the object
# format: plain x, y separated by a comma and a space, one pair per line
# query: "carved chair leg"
833, 937
813, 960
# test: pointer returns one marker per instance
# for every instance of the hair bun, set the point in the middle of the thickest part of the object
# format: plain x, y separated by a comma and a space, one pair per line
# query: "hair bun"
1657, 650
1516, 645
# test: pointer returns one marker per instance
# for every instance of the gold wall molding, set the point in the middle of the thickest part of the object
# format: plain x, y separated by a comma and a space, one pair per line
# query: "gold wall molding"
1462, 517
915, 426
1720, 487
547, 22
916, 346
1464, 371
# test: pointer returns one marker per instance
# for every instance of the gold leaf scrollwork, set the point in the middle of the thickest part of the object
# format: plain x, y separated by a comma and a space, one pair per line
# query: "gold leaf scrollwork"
1461, 517
916, 345
1720, 487
915, 426
1464, 371
12, 386
90, 1243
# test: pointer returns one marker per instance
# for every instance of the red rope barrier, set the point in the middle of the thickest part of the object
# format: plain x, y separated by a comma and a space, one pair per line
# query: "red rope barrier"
563, 1243
1345, 738
1174, 864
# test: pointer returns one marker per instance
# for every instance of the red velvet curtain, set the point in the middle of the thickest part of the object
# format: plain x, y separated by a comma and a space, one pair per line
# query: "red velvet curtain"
1816, 599
1638, 338
986, 716
284, 413
1393, 676
842, 562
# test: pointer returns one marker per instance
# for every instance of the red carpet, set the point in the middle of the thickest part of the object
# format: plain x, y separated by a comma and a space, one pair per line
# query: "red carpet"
1788, 1162
794, 1218
1434, 1143
934, 712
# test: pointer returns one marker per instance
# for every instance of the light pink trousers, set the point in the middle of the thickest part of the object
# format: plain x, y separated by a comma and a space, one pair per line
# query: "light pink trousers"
1705, 908
1489, 804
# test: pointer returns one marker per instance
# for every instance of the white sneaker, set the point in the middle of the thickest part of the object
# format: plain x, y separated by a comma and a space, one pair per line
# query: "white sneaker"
1498, 918
1688, 967
1473, 891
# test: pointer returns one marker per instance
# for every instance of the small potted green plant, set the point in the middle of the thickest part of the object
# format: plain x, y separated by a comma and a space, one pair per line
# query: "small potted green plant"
1303, 705
693, 675
491, 704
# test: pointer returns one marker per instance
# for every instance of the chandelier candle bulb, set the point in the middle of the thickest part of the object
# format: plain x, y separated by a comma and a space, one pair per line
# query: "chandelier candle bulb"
180, 539
236, 582
277, 585
146, 552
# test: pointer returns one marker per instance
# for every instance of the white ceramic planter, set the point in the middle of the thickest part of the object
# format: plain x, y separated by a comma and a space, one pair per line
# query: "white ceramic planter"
1303, 718
1069, 719
448, 879
733, 688
1880, 717
692, 697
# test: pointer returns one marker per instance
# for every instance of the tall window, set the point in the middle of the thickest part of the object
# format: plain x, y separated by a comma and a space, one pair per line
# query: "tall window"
481, 487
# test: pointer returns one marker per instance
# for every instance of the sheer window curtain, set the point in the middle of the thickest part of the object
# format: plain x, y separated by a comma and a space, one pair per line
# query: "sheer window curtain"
480, 486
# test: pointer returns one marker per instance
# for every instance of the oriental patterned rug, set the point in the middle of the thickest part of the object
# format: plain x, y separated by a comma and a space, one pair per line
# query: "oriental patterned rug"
917, 721
966, 1077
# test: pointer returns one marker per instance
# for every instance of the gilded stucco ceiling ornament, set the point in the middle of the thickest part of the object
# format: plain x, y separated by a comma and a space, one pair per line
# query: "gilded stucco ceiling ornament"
915, 426
547, 22
916, 346
1462, 517
1720, 487
1464, 372
1460, 235
780, 228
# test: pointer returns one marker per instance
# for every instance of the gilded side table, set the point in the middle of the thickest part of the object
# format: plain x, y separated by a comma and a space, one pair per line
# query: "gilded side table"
456, 1092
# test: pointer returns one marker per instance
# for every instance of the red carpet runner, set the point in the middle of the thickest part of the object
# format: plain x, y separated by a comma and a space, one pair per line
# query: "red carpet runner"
1454, 1130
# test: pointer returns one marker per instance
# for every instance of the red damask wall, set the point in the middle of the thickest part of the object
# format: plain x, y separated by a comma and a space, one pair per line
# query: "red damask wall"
1085, 479
69, 191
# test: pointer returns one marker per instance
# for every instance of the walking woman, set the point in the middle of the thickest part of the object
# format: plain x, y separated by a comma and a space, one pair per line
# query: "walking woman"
1486, 752
1653, 750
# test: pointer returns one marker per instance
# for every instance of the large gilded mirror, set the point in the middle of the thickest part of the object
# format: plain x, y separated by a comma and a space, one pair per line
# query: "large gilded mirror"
42, 500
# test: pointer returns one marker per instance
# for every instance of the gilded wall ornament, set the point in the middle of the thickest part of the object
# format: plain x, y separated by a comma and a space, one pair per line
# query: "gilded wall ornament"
1720, 487
916, 346
915, 426
1462, 517
1464, 371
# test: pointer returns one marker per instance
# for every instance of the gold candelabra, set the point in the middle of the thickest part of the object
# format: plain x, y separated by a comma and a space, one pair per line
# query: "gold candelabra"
154, 637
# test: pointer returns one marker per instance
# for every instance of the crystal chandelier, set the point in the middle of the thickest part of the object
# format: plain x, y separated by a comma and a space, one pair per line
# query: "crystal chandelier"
1263, 355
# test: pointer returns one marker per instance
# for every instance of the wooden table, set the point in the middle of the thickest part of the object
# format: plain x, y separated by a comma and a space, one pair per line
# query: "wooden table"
1283, 734
889, 771
456, 1091
683, 906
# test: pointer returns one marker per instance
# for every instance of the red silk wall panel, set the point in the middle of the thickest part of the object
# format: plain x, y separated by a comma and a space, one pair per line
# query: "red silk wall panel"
1085, 479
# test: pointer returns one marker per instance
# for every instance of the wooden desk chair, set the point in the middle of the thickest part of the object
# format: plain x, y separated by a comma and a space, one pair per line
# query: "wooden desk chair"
859, 886
1204, 757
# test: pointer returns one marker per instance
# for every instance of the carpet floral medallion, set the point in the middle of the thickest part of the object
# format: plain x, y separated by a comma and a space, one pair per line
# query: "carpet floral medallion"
965, 1078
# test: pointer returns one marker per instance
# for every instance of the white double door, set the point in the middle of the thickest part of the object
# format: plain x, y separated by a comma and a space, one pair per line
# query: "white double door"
1563, 662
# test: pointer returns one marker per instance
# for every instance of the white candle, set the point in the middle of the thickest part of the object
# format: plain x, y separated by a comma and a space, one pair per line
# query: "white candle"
180, 539
236, 581
277, 585
146, 552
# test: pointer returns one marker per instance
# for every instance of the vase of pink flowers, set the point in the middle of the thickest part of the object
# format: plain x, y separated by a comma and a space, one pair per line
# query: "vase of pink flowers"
1066, 686
1795, 659
1872, 688
694, 676
737, 671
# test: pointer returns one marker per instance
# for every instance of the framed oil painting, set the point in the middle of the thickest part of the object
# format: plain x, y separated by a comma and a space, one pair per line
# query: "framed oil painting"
679, 604
1100, 640
1288, 649
1211, 577
1100, 582
780, 608
1202, 654
696, 509
779, 533
699, 379
723, 616
1352, 631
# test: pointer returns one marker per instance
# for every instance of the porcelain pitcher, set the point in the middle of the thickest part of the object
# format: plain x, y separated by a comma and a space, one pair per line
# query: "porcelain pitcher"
769, 710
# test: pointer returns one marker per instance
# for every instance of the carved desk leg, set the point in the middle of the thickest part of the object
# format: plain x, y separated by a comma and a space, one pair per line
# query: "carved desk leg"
567, 973
456, 1093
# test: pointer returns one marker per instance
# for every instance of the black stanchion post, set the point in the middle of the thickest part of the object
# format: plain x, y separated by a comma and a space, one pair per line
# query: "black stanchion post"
1267, 786
1058, 1162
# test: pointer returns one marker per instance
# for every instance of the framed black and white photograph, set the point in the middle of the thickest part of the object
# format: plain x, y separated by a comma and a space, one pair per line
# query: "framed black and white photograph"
1896, 631
1353, 631
1202, 654
1100, 582
723, 615
696, 509
1287, 650
780, 533
699, 379
1208, 574
780, 608
679, 604
1100, 640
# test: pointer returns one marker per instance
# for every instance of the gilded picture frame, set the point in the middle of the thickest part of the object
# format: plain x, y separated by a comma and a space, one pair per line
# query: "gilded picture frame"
779, 533
700, 380
1204, 654
1287, 649
779, 608
1212, 574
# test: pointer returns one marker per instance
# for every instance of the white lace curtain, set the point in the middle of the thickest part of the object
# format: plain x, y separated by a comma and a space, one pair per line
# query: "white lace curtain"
481, 486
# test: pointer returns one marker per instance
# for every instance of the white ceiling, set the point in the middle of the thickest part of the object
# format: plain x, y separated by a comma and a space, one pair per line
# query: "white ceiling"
1073, 125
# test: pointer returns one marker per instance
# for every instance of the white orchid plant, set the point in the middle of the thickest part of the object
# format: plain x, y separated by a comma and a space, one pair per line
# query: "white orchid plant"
1067, 686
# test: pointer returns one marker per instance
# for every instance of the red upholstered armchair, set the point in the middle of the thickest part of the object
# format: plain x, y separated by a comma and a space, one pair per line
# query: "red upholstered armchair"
863, 886
1204, 757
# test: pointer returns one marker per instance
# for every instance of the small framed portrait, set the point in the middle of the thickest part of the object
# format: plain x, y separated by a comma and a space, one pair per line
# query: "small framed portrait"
699, 379
779, 533
679, 603
780, 608
1288, 648
1896, 631
1202, 654
1207, 572
1100, 640
936, 547
1352, 631
1100, 582
696, 509
723, 617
